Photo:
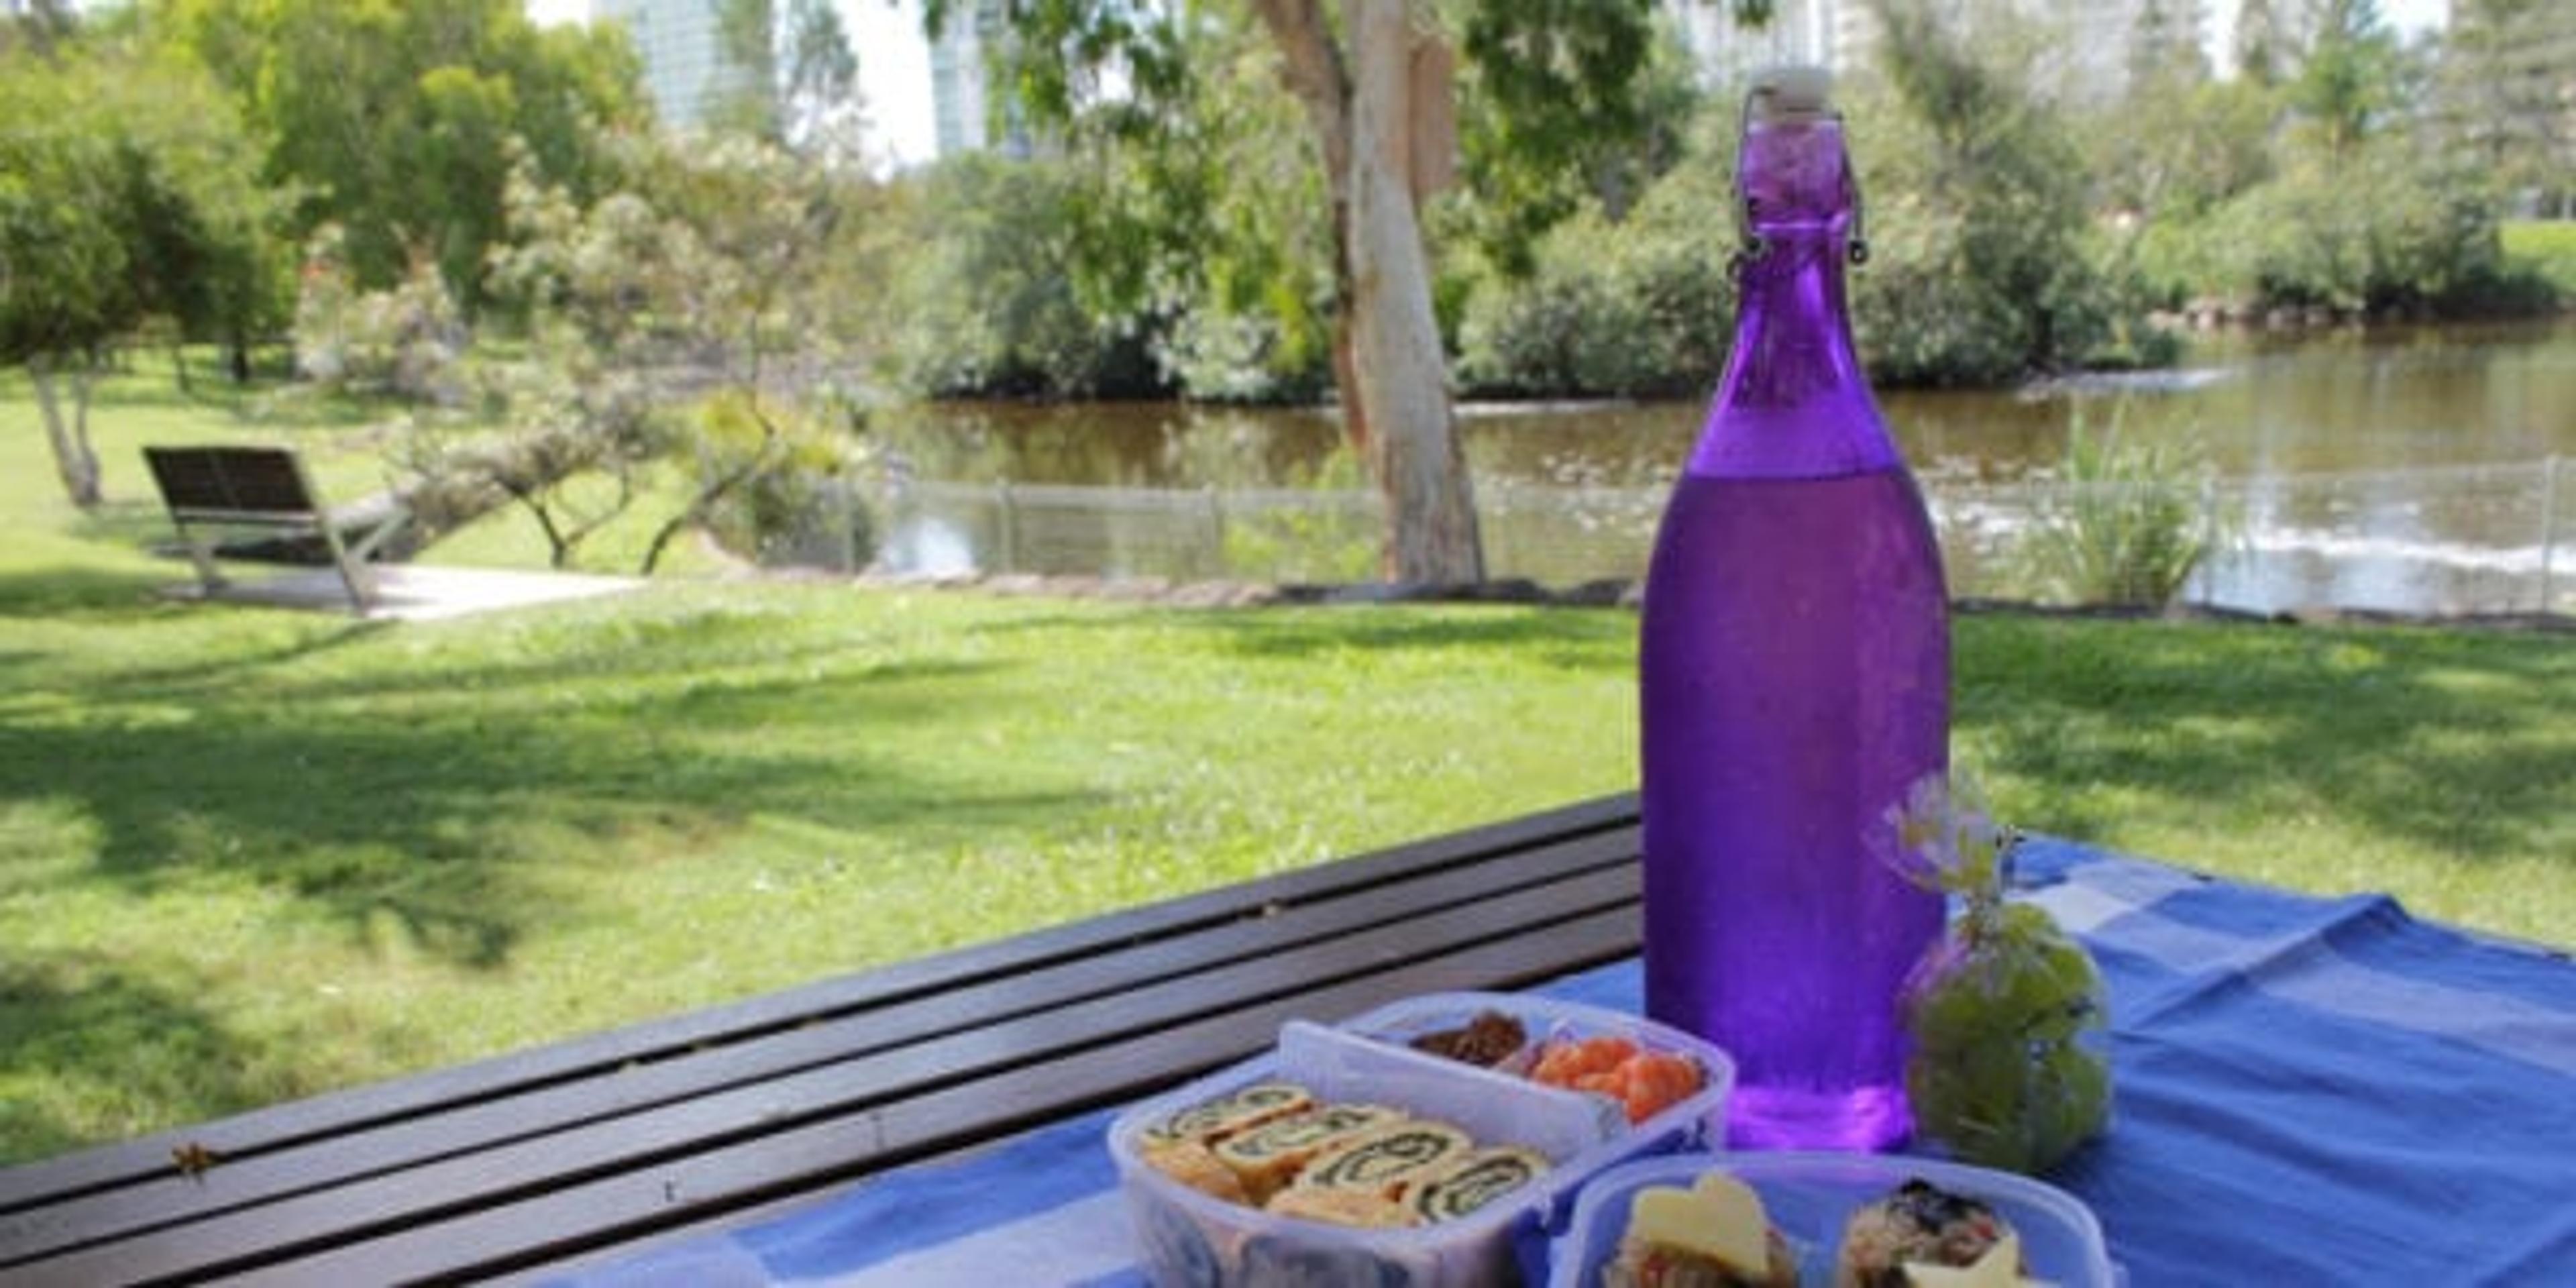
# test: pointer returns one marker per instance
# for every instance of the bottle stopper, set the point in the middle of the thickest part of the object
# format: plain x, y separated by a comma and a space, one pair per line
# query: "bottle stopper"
1790, 94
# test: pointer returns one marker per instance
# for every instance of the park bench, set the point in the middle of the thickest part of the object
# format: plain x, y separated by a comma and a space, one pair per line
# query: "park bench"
548, 1160
266, 488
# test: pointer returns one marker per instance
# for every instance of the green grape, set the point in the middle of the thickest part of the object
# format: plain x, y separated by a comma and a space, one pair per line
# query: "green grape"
2001, 1013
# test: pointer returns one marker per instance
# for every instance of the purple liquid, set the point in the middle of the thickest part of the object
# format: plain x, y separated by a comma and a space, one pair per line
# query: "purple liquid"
1794, 665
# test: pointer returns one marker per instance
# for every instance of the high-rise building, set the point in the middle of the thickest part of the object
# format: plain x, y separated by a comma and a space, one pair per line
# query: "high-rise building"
686, 68
2075, 50
961, 83
1725, 52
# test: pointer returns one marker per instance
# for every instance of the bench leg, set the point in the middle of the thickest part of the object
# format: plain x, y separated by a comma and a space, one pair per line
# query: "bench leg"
201, 552
354, 575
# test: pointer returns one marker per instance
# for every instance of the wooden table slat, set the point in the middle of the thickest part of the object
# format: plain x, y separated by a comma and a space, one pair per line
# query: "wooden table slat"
810, 1159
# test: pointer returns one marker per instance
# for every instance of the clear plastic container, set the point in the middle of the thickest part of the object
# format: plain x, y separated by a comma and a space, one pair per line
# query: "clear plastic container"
1189, 1238
1808, 1196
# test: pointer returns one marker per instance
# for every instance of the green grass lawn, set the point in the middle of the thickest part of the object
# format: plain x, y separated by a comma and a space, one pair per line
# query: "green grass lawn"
249, 854
2547, 245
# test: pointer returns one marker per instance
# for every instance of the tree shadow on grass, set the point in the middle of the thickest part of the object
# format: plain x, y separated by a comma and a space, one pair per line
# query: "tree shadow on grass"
75, 1024
406, 813
2460, 742
136, 524
416, 807
57, 593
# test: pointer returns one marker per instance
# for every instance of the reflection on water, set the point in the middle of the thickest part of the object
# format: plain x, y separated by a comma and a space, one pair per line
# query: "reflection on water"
2356, 460
2339, 402
928, 544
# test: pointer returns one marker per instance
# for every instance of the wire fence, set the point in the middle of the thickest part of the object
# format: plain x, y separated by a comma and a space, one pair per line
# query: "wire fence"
2450, 539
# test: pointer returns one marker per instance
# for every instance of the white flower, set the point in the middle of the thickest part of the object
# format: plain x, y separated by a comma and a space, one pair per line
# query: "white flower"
1947, 840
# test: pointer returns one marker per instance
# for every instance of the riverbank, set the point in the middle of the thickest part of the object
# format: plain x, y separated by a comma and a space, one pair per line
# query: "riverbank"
1606, 593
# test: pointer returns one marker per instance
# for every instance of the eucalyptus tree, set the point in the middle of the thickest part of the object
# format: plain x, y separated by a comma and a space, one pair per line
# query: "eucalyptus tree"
1376, 82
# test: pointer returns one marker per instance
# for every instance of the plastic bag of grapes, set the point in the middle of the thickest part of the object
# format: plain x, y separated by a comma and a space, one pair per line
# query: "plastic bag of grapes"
2011, 1064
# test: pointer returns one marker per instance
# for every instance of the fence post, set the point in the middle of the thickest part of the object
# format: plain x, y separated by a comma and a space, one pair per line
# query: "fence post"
1491, 503
1216, 527
848, 520
2208, 541
2548, 526
1010, 552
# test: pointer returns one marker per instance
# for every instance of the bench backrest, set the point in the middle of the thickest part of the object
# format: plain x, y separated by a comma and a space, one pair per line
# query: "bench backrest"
214, 482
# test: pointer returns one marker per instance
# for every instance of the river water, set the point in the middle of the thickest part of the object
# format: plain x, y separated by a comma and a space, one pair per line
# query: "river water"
2394, 468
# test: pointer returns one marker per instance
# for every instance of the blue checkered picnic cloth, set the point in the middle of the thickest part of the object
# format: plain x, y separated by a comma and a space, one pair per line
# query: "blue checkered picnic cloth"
2309, 1091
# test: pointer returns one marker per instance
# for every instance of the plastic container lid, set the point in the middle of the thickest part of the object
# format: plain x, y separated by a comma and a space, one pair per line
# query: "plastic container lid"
1187, 1237
1808, 1196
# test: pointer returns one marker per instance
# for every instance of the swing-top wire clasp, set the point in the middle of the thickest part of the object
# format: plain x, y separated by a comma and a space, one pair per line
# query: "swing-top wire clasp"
1750, 245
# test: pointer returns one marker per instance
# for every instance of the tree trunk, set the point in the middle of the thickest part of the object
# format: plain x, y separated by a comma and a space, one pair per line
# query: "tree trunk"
711, 492
1311, 66
1387, 357
1403, 377
74, 459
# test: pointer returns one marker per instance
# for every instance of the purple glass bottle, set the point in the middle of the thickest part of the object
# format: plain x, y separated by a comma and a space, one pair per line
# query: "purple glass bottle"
1794, 668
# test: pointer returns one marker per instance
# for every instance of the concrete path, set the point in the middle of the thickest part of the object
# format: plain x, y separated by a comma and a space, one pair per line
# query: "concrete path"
414, 592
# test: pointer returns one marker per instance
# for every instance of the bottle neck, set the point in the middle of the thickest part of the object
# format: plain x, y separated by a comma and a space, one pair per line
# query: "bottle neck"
1793, 341
1794, 402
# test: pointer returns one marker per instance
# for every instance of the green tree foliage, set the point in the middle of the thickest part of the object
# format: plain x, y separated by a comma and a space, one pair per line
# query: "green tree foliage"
1978, 213
1984, 266
1199, 224
125, 198
63, 264
2347, 85
389, 117
2175, 145
2387, 229
2353, 208
995, 294
1559, 114
1636, 307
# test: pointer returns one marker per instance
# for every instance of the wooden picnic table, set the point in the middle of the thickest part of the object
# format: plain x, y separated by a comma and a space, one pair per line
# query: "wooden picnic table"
548, 1157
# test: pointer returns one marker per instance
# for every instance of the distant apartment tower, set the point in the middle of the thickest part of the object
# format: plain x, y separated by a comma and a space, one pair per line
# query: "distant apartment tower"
685, 66
961, 83
1726, 52
2078, 51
